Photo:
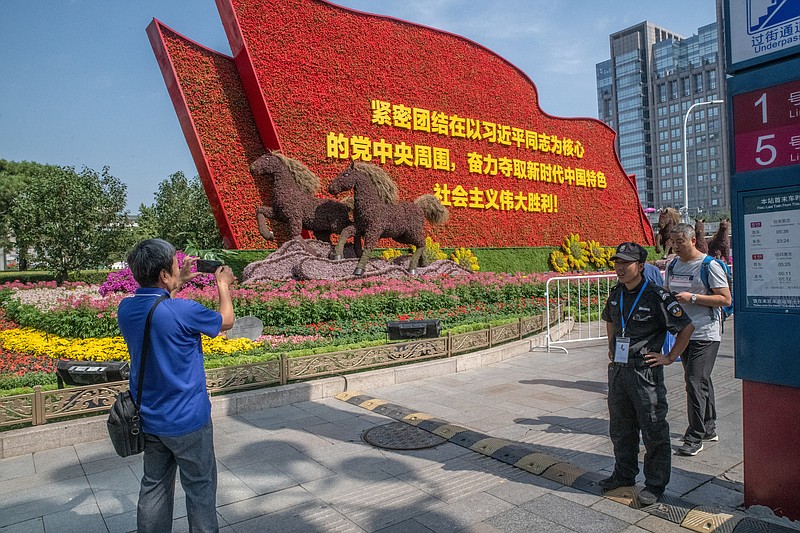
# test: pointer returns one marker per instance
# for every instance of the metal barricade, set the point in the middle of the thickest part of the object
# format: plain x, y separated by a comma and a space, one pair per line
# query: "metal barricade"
574, 305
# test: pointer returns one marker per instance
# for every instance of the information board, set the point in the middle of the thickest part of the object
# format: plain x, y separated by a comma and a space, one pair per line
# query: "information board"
772, 249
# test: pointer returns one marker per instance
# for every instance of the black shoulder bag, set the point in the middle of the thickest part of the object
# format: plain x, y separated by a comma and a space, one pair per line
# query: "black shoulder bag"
124, 425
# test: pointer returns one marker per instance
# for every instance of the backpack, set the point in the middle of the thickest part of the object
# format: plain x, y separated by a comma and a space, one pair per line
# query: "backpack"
704, 268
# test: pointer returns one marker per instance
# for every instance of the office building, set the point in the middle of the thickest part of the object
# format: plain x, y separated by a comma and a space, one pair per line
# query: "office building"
645, 91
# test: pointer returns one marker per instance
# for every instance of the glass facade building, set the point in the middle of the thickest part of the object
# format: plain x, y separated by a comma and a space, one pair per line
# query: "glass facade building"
644, 92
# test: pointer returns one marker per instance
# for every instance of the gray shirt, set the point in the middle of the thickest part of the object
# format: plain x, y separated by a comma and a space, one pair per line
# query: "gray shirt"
685, 277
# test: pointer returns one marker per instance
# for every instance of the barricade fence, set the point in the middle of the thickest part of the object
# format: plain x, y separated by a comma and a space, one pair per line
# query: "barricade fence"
40, 407
574, 305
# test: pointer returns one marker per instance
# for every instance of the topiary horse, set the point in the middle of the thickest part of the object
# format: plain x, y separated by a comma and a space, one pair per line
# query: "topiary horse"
719, 246
667, 219
700, 235
294, 202
377, 213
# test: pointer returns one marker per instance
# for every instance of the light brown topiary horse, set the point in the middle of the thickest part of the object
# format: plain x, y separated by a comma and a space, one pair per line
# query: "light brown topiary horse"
377, 213
667, 219
294, 186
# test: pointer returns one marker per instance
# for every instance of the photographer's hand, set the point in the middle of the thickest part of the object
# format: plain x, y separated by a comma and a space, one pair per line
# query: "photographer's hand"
185, 274
224, 276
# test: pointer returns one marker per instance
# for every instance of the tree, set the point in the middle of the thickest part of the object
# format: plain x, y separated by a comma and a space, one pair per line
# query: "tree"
72, 220
181, 214
14, 178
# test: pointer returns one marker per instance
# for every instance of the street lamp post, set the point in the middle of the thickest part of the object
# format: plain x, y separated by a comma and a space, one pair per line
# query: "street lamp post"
685, 207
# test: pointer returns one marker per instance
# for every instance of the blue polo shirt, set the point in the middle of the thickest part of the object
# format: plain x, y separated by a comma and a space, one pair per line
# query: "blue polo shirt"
174, 396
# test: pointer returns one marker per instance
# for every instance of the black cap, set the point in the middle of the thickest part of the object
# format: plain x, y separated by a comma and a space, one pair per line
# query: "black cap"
630, 251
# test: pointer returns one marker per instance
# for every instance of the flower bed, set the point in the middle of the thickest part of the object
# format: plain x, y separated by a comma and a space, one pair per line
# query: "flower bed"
41, 323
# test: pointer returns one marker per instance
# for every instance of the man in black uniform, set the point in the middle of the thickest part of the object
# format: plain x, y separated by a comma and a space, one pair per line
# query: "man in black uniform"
638, 315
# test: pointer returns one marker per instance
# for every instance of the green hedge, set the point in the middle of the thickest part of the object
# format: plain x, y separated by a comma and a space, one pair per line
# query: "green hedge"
35, 276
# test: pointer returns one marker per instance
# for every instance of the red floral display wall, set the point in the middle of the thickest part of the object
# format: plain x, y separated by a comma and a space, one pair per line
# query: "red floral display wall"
440, 113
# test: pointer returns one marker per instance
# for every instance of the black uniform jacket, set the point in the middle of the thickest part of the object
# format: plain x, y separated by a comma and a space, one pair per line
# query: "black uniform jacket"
656, 312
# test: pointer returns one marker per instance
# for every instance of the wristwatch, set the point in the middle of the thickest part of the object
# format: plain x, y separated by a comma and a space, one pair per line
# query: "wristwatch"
694, 298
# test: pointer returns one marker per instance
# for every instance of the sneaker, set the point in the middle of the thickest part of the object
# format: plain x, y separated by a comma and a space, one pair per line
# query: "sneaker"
648, 497
690, 448
711, 437
613, 482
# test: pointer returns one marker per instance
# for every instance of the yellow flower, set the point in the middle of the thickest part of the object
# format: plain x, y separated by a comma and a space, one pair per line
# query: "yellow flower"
559, 261
465, 258
390, 254
576, 251
34, 342
597, 254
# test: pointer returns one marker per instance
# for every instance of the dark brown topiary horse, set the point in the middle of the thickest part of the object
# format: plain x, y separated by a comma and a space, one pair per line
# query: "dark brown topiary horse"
667, 219
719, 246
377, 213
294, 186
700, 235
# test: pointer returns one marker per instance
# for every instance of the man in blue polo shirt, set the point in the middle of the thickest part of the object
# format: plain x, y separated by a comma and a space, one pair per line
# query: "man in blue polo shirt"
175, 408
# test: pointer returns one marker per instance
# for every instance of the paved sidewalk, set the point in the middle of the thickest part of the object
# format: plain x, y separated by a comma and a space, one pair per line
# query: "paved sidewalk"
304, 466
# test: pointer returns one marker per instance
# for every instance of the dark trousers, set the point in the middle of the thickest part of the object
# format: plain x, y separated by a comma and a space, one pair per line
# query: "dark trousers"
698, 362
193, 454
637, 402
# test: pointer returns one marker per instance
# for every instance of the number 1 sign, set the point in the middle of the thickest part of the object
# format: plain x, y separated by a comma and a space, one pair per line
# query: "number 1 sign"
766, 127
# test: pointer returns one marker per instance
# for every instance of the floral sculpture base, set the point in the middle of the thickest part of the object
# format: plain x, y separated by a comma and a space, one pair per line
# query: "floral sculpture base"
308, 259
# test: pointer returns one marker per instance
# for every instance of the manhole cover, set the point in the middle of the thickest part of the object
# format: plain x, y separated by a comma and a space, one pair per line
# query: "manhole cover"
401, 436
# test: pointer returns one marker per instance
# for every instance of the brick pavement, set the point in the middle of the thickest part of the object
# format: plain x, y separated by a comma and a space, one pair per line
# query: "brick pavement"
303, 466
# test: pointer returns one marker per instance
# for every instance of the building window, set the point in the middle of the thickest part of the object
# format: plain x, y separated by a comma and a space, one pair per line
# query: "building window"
698, 83
714, 202
712, 79
687, 89
662, 92
700, 178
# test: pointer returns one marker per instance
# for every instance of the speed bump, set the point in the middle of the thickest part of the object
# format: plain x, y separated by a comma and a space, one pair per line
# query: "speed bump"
536, 463
416, 418
449, 430
705, 520
564, 473
346, 395
372, 403
670, 508
489, 446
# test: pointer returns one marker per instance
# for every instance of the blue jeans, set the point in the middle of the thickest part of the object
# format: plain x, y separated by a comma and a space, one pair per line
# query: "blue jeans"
193, 453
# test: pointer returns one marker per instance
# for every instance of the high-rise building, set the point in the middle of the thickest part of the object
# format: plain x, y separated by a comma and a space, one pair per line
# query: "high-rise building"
645, 91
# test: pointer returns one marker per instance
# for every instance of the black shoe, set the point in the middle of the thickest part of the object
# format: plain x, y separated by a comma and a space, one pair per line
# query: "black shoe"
613, 482
690, 448
712, 437
648, 497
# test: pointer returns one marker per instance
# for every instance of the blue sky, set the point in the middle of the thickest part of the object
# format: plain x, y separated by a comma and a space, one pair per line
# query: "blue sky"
79, 84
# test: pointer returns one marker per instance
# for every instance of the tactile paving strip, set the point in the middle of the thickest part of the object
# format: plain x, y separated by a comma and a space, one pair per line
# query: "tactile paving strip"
525, 457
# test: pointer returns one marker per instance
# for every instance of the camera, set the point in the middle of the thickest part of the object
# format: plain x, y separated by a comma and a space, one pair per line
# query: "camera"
207, 265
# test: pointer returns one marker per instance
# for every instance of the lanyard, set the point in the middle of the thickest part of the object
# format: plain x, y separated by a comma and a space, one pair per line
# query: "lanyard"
622, 312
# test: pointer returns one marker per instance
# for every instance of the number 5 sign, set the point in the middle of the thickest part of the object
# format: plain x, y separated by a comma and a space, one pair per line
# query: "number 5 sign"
766, 127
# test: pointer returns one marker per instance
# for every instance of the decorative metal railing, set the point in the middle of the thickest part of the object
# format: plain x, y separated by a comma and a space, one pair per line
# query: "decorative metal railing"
41, 407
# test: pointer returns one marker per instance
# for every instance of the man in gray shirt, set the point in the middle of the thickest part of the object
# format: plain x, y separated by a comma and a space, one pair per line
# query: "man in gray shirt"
702, 303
